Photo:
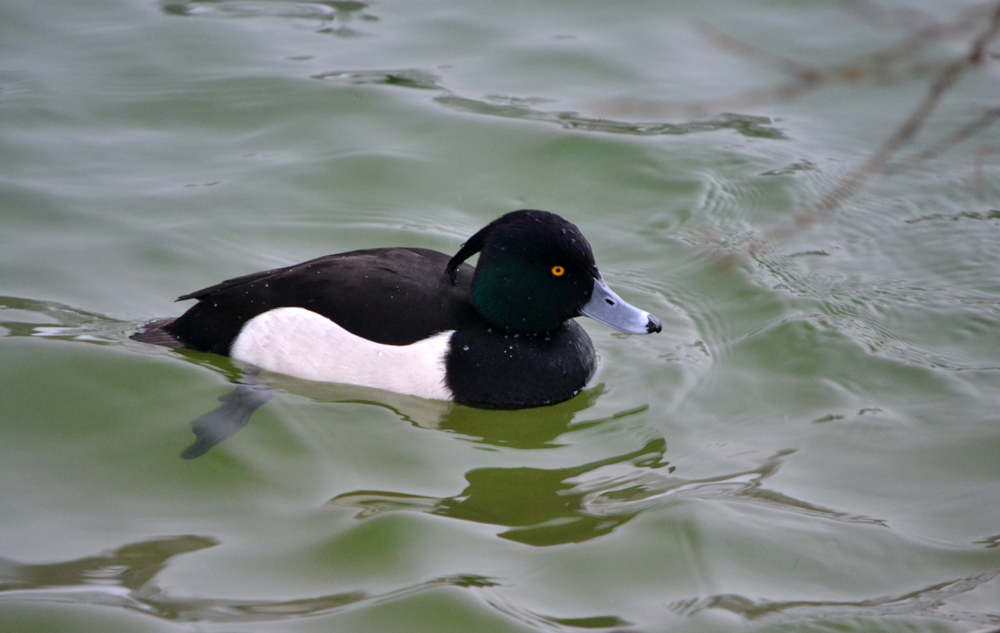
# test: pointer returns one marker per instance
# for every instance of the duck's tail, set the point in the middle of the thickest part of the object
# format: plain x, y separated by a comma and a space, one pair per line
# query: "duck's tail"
156, 333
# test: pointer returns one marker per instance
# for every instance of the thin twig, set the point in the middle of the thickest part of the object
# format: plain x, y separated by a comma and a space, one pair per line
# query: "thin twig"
965, 132
754, 54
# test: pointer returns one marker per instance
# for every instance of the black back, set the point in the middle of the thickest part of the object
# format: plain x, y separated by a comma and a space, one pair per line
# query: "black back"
394, 296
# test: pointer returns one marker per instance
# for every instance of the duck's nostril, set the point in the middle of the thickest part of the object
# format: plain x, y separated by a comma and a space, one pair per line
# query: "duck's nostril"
610, 302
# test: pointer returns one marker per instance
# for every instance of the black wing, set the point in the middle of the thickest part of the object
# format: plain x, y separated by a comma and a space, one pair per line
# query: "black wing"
394, 296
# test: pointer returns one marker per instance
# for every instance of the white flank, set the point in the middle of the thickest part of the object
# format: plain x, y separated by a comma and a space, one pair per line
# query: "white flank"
301, 343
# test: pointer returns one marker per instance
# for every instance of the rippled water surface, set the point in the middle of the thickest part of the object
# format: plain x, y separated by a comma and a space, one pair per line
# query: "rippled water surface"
812, 443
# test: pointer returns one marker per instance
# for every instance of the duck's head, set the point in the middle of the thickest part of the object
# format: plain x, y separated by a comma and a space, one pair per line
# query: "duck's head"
536, 271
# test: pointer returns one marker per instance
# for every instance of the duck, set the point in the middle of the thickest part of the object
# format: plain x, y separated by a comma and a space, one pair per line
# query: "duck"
501, 334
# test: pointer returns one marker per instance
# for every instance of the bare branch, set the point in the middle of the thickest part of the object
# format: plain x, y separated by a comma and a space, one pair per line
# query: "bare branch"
754, 54
879, 160
966, 131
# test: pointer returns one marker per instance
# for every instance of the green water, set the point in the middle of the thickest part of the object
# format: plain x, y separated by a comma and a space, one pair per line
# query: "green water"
812, 443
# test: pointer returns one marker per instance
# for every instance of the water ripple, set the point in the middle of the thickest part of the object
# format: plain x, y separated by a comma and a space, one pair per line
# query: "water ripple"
330, 16
926, 601
510, 107
125, 579
49, 319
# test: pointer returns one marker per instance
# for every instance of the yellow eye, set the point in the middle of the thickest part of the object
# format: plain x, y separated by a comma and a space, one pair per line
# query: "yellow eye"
558, 271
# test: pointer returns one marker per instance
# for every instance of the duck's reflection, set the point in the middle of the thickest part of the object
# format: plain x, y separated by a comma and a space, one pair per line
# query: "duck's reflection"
541, 507
544, 507
524, 428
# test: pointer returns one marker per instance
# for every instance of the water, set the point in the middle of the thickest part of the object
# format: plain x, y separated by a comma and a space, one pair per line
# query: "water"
811, 443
